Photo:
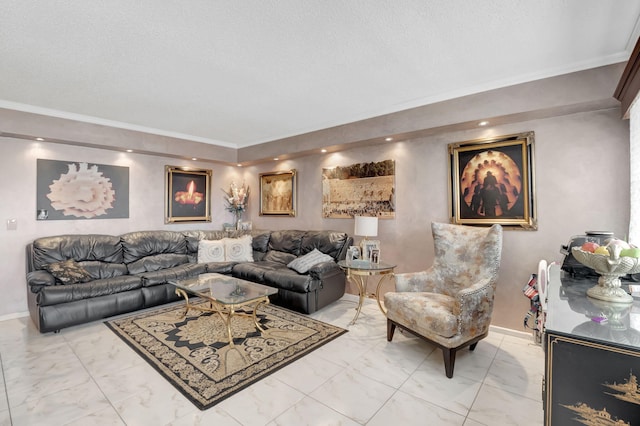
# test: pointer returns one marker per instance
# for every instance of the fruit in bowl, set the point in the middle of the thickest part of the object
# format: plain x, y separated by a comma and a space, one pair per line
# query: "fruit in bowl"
630, 252
610, 266
602, 250
590, 246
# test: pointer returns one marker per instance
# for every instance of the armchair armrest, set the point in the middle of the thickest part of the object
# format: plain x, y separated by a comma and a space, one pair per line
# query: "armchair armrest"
417, 281
474, 308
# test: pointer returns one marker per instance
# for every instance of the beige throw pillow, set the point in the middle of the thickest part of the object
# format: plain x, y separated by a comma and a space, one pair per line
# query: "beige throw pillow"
211, 251
238, 249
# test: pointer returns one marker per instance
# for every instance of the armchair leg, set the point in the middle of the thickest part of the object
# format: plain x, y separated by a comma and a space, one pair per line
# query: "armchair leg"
449, 356
391, 327
472, 347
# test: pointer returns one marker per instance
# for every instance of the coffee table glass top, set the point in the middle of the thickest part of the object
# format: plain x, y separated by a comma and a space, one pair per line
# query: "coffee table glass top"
224, 289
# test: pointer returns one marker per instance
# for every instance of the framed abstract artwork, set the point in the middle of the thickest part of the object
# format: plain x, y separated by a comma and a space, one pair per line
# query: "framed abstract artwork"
493, 181
278, 193
187, 194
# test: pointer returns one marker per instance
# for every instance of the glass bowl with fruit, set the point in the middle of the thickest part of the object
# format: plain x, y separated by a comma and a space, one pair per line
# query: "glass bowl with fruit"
615, 259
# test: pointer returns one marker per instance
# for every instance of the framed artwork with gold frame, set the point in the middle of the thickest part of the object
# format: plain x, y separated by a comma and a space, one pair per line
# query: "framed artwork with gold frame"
278, 193
187, 194
493, 181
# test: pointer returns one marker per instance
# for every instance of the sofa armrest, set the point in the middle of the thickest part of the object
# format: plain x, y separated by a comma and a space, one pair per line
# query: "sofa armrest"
38, 279
324, 269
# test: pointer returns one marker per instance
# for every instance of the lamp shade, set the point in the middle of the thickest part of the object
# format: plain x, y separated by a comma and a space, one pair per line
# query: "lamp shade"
366, 226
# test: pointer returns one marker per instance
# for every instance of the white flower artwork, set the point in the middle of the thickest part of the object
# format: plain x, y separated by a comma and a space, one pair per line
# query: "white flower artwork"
80, 190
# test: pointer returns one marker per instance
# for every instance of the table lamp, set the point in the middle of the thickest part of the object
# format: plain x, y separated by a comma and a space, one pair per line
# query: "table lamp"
366, 226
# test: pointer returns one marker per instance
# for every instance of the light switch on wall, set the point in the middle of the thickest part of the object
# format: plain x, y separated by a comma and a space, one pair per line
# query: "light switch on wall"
12, 224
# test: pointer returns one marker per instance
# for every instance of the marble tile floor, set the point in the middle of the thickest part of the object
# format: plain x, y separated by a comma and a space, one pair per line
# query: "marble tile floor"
86, 375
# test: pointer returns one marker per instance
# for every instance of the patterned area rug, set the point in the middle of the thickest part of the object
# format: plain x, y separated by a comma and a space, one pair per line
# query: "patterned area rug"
194, 354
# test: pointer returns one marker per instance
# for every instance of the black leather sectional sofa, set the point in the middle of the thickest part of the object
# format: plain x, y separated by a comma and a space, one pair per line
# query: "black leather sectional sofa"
124, 273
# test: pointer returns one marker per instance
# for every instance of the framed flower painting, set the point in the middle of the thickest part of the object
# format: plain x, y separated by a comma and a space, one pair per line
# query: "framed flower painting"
68, 190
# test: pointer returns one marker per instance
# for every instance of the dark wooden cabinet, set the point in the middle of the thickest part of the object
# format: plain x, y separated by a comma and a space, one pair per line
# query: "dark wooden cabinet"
592, 368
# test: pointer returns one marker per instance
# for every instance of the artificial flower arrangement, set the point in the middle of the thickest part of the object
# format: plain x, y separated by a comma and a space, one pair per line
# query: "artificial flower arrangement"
237, 199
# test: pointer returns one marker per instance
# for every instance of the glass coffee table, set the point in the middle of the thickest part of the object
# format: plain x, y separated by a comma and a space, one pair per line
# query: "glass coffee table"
225, 295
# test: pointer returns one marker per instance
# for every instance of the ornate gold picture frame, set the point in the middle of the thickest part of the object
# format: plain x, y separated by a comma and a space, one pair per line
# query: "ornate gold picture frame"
493, 181
187, 194
278, 193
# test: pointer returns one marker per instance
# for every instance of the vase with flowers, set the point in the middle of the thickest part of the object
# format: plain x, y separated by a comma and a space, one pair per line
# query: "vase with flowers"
237, 199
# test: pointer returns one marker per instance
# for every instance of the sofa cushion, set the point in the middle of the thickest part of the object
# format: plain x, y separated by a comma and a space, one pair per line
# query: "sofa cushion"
287, 279
279, 257
220, 267
54, 295
286, 241
254, 271
260, 240
157, 262
302, 264
329, 242
211, 251
238, 249
180, 272
137, 245
68, 272
100, 270
105, 248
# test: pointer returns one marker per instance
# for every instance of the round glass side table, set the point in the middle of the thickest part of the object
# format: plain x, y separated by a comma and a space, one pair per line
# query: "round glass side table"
358, 271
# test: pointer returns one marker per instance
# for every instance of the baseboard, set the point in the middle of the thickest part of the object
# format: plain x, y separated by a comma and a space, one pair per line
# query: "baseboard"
510, 332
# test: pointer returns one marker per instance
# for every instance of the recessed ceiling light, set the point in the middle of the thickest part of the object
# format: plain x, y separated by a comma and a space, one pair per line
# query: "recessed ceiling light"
194, 158
388, 139
239, 165
275, 159
483, 123
39, 139
129, 150
323, 150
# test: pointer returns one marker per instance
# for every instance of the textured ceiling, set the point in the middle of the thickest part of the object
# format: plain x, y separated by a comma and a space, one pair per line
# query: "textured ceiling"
239, 73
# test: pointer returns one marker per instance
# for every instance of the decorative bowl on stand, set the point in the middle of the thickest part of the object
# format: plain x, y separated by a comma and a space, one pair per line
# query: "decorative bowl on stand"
610, 268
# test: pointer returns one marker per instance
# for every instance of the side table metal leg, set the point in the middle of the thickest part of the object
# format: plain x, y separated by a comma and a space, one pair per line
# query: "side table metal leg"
382, 309
361, 283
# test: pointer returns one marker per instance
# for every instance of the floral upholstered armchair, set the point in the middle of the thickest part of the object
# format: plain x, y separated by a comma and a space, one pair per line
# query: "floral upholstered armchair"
450, 304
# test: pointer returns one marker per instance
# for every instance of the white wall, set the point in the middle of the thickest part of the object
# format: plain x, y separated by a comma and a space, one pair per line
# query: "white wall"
582, 182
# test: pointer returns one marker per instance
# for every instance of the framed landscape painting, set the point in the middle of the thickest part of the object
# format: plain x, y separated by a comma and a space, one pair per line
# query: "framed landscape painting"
187, 194
278, 193
493, 181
